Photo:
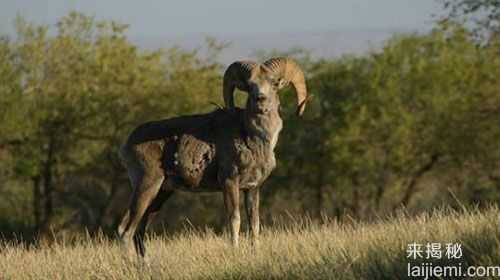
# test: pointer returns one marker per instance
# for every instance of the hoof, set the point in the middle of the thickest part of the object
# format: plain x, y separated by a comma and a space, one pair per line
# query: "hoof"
127, 250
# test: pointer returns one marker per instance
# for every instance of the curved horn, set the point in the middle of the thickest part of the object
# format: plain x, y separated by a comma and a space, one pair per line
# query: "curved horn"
236, 76
288, 70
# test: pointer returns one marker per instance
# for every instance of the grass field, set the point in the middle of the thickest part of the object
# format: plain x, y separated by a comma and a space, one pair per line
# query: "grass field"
305, 251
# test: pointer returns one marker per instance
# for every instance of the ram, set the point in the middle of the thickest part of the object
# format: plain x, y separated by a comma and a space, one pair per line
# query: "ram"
228, 150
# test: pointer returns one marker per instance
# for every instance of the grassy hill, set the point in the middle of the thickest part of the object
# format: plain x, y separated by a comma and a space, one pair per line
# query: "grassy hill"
375, 250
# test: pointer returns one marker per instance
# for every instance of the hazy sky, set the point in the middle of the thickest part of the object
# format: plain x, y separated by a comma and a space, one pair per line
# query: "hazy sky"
163, 18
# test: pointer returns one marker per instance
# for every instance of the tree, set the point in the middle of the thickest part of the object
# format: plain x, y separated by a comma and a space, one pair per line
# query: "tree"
482, 15
79, 93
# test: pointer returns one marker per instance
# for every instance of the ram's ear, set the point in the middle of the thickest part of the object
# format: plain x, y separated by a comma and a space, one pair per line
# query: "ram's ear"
301, 107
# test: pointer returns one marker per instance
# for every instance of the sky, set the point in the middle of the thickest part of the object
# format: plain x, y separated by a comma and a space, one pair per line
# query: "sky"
154, 18
326, 28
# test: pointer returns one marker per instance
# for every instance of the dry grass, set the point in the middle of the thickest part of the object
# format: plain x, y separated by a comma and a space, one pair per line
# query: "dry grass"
333, 251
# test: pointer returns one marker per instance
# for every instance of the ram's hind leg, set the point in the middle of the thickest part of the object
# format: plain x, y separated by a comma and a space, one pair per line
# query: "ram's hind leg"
144, 194
148, 217
146, 177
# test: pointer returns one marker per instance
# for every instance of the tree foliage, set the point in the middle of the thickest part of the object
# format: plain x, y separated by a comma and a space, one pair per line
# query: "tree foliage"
414, 125
482, 15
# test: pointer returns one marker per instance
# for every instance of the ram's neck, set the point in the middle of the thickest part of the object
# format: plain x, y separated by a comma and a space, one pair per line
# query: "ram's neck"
265, 127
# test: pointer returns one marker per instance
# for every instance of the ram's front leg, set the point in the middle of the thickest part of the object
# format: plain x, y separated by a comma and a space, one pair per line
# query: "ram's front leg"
252, 210
232, 205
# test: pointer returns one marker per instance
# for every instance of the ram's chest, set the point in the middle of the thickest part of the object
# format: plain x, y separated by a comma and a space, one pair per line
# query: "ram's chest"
256, 162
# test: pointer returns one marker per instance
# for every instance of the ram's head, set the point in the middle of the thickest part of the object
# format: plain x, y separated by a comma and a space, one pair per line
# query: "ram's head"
263, 81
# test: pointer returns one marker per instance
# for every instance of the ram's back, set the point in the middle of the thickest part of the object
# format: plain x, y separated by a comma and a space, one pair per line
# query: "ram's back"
189, 144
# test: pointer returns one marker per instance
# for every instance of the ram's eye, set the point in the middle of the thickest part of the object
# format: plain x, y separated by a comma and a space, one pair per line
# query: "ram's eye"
275, 83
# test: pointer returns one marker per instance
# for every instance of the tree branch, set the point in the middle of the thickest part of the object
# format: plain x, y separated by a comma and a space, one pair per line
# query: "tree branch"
415, 178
